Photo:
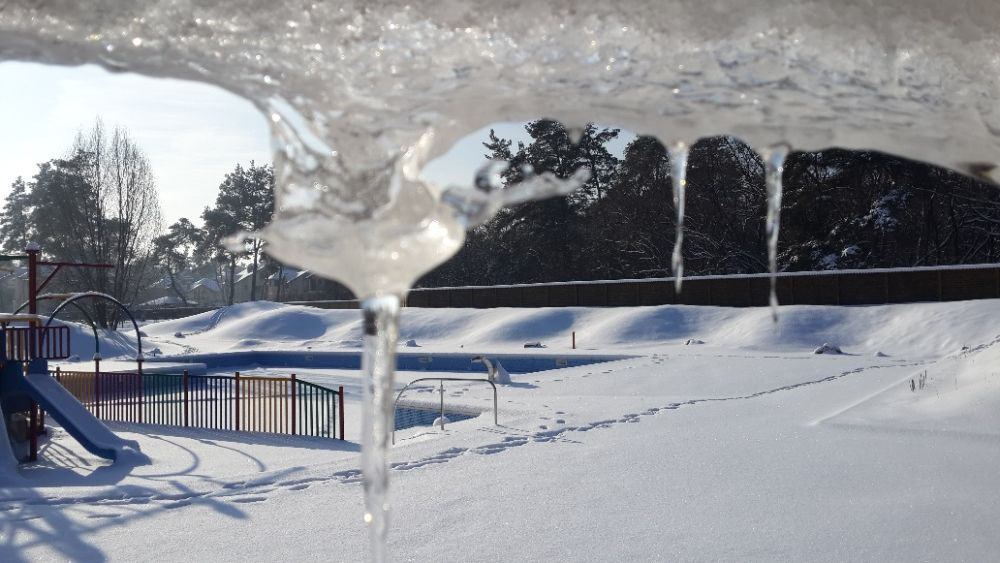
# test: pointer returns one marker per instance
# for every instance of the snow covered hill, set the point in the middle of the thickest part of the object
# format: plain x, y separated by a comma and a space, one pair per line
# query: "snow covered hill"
912, 330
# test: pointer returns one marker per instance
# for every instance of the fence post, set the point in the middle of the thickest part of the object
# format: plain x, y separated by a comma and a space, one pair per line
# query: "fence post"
294, 385
184, 380
340, 398
142, 397
97, 385
236, 411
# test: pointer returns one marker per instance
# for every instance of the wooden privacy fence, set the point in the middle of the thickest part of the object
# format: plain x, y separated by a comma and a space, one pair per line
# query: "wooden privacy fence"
838, 287
277, 405
835, 287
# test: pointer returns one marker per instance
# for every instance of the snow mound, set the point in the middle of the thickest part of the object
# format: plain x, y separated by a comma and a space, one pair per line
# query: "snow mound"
502, 375
209, 320
955, 394
112, 343
828, 348
252, 323
907, 330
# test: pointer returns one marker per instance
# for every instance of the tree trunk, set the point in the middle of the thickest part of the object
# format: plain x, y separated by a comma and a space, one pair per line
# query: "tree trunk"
173, 285
281, 283
253, 278
232, 280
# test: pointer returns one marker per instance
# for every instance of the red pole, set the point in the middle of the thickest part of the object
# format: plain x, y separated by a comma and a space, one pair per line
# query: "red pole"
185, 380
340, 398
32, 250
237, 406
294, 385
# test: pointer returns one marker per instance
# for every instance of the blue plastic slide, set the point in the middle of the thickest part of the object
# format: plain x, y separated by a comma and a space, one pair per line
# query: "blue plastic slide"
92, 434
8, 461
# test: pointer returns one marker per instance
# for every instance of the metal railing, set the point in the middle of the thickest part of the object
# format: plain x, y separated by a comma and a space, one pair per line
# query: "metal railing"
26, 343
441, 380
276, 405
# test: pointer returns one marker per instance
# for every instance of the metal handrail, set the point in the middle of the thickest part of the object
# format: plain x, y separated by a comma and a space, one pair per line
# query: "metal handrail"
491, 369
442, 380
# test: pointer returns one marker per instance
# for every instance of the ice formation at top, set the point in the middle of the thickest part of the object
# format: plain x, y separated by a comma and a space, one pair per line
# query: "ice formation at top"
362, 93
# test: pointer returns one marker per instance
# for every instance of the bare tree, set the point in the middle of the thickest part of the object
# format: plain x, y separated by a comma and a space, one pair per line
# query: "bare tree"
106, 192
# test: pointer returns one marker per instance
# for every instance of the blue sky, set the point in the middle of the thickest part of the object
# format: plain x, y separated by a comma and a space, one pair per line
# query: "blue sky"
192, 133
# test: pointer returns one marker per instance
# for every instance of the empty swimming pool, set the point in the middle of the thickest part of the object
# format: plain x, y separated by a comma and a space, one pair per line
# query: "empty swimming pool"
438, 362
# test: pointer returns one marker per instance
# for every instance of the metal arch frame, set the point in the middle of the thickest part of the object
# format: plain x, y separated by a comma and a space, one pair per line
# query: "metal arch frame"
442, 380
73, 298
86, 315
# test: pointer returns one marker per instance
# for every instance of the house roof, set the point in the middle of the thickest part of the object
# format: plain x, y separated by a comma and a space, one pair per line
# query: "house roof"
287, 274
207, 283
166, 300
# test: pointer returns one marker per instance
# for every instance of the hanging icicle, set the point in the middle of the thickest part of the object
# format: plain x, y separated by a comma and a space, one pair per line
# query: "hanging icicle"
774, 167
678, 153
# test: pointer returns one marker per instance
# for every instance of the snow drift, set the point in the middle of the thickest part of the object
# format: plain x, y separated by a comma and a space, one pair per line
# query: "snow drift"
913, 330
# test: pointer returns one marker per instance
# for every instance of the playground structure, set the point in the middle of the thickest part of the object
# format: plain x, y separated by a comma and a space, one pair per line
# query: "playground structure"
28, 342
81, 400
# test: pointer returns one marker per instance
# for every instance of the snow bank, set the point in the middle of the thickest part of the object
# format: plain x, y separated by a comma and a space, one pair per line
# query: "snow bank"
114, 344
913, 330
959, 393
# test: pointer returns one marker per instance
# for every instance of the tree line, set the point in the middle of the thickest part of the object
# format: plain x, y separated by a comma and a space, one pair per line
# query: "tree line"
244, 204
841, 209
99, 204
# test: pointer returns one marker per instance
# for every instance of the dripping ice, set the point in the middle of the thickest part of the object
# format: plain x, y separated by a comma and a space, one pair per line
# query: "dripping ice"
774, 167
678, 153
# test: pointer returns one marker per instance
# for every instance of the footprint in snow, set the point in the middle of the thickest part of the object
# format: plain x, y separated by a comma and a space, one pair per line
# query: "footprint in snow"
246, 500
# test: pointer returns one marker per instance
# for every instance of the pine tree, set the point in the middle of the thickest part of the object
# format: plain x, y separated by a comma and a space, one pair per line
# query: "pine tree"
15, 219
175, 251
244, 204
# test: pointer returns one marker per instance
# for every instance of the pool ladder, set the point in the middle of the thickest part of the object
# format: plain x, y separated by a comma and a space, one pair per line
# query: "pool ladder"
441, 380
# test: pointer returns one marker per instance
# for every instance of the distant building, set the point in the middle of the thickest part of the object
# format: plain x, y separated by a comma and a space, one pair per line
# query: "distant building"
206, 291
286, 284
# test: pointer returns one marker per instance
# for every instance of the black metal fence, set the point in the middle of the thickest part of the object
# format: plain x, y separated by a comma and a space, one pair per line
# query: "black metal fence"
217, 402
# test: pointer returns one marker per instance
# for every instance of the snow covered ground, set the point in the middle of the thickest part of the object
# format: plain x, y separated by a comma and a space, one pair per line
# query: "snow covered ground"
747, 447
